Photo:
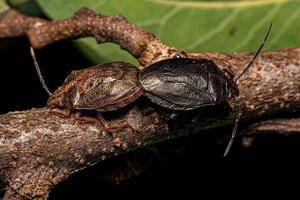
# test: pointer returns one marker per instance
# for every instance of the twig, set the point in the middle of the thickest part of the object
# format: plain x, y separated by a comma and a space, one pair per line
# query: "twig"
142, 44
14, 24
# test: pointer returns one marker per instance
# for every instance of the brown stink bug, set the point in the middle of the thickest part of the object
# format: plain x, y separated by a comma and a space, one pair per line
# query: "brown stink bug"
103, 87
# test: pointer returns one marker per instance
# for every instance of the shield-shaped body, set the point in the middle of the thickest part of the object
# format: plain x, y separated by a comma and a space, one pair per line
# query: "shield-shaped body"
184, 84
103, 87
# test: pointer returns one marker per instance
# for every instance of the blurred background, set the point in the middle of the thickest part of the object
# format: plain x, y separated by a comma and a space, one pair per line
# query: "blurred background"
189, 166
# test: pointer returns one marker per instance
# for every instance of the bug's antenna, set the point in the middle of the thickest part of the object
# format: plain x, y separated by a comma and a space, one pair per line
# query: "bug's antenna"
237, 118
38, 71
256, 54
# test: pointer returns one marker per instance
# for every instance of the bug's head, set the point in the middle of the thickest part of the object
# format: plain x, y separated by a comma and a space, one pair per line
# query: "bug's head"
62, 97
57, 99
68, 95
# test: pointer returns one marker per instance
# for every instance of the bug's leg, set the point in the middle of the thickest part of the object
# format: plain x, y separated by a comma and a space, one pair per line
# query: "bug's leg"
110, 125
84, 118
78, 115
169, 115
61, 112
103, 122
117, 124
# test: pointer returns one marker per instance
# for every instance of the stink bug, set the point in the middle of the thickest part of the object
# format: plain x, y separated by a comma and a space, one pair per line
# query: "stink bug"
103, 87
187, 84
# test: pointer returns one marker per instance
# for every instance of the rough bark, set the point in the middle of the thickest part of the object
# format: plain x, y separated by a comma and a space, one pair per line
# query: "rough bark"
39, 149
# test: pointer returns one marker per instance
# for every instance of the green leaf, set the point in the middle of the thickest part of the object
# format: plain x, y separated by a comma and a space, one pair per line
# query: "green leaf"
27, 7
3, 5
223, 26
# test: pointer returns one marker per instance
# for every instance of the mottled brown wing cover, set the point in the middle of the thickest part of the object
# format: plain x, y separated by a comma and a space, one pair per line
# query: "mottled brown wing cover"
102, 87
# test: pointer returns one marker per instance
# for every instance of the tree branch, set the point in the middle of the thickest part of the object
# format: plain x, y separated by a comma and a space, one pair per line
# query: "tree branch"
39, 149
141, 44
14, 24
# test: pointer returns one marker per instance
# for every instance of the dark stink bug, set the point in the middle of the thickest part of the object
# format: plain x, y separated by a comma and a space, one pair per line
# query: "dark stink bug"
188, 84
184, 84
